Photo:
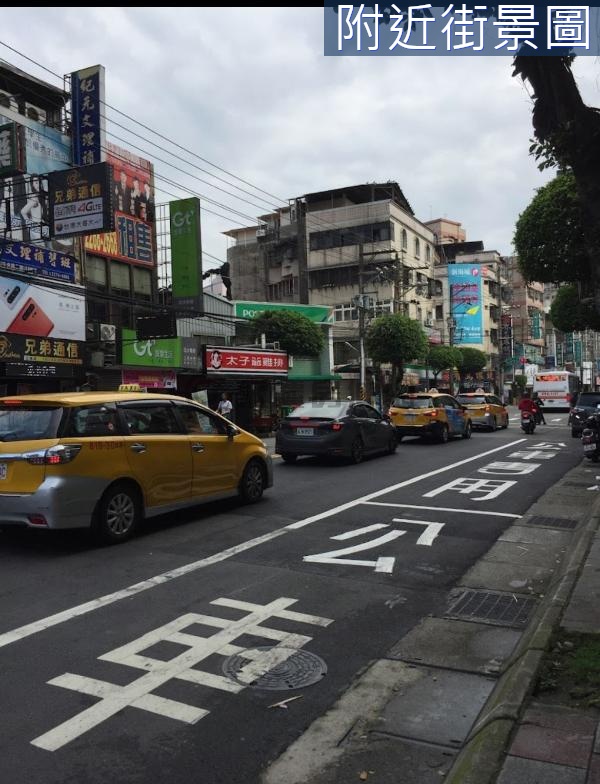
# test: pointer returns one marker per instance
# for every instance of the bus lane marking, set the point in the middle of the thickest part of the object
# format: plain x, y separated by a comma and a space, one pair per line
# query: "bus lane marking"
42, 624
444, 509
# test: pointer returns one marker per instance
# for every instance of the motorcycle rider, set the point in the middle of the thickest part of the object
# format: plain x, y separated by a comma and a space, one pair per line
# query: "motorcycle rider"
527, 404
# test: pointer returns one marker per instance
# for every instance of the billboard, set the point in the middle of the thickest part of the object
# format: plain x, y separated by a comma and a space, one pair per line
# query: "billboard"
317, 313
81, 200
87, 114
28, 309
466, 302
46, 149
28, 350
34, 260
160, 352
133, 202
12, 150
186, 254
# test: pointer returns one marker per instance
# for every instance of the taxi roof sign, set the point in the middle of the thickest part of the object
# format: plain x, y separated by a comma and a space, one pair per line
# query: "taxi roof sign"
130, 388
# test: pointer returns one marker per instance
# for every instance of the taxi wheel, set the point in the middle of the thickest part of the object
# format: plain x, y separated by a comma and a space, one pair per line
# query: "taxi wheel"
468, 429
117, 514
357, 451
252, 483
444, 435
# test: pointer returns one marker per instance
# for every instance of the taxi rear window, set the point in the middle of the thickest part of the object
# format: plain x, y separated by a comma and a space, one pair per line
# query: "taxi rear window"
471, 399
413, 402
29, 423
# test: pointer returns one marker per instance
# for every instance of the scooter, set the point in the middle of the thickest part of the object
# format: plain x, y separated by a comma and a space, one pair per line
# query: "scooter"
590, 438
528, 422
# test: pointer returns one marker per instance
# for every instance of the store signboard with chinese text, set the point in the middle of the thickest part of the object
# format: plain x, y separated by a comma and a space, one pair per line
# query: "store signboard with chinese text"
245, 361
466, 302
33, 350
160, 352
316, 313
151, 380
87, 112
29, 309
186, 255
13, 158
81, 201
32, 260
38, 370
132, 190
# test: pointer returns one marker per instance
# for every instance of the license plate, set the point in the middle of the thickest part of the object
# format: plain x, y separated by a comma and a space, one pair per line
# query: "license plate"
586, 448
3, 470
305, 431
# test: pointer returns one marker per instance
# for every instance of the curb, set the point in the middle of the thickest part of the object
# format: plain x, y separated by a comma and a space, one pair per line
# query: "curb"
481, 758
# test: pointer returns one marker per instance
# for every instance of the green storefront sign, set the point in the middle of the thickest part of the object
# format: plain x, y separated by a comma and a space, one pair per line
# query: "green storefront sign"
186, 254
317, 313
159, 353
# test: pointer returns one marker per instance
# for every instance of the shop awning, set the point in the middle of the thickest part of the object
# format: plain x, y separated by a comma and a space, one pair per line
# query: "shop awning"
317, 377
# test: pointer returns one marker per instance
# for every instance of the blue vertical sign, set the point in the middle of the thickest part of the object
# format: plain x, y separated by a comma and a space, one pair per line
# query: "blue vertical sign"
87, 105
466, 302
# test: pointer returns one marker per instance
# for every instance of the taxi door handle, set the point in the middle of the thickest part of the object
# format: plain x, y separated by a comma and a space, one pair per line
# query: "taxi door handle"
139, 448
197, 448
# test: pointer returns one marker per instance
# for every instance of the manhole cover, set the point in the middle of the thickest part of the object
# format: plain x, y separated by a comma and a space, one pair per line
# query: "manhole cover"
501, 609
551, 522
265, 668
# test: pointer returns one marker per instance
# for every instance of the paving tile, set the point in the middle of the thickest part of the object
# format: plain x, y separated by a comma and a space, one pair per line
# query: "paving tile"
524, 771
461, 645
553, 734
438, 707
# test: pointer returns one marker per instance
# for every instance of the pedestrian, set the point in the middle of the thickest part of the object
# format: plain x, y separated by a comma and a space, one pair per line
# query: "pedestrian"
539, 403
225, 406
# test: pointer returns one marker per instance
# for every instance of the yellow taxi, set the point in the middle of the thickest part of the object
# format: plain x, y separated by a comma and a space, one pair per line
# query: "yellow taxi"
107, 460
486, 410
430, 414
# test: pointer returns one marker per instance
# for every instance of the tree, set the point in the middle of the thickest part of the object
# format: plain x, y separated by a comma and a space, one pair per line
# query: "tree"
296, 334
549, 237
569, 314
472, 360
442, 358
396, 339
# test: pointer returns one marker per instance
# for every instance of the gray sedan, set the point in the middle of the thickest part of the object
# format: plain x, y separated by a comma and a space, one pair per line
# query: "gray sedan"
349, 428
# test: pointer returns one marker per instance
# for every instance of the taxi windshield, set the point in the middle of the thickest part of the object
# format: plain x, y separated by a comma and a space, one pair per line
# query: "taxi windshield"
413, 402
471, 399
28, 423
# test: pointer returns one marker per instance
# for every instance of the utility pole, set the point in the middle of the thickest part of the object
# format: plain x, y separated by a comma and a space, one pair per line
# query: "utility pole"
361, 322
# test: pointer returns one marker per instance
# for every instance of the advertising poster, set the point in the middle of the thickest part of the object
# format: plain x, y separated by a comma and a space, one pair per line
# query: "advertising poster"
31, 310
186, 254
133, 202
81, 200
466, 302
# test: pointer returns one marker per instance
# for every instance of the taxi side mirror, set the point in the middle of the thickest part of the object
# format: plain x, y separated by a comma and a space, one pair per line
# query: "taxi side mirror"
231, 431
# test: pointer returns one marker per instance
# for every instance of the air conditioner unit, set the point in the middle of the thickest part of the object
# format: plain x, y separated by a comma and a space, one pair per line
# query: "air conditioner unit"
428, 322
261, 231
8, 102
108, 333
276, 345
35, 113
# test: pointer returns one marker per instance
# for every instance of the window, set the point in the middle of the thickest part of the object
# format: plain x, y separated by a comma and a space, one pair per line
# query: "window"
345, 312
200, 422
383, 307
92, 421
95, 271
404, 240
351, 235
427, 253
150, 419
142, 282
439, 312
119, 276
417, 247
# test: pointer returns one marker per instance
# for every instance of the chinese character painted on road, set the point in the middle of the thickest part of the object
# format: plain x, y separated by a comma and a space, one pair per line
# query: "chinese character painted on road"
491, 488
509, 469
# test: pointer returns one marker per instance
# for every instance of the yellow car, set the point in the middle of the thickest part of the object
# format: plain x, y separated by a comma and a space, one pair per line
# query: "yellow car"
486, 410
430, 414
107, 460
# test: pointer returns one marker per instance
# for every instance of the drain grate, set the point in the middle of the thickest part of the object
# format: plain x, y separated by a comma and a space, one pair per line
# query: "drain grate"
300, 668
552, 522
501, 609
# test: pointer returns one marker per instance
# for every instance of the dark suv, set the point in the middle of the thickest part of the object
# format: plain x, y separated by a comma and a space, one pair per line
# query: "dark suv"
587, 403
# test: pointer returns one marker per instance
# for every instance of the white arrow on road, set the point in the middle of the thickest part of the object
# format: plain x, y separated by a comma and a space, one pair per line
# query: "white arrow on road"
429, 534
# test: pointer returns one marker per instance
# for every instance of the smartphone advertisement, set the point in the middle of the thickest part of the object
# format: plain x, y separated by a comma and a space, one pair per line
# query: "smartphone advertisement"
27, 309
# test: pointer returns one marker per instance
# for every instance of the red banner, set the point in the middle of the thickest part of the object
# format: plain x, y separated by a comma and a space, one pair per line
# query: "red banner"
245, 361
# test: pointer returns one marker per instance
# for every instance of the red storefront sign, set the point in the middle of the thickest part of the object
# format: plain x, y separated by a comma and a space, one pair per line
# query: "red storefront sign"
246, 361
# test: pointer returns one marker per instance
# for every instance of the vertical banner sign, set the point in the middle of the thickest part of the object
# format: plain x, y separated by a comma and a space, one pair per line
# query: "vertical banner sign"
186, 254
87, 105
12, 150
466, 302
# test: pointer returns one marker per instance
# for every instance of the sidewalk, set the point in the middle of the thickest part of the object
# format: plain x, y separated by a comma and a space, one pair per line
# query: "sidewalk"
451, 701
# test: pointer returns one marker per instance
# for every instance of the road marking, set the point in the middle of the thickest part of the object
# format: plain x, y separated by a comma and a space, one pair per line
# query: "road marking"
491, 488
429, 534
359, 531
14, 635
138, 693
443, 509
380, 565
557, 420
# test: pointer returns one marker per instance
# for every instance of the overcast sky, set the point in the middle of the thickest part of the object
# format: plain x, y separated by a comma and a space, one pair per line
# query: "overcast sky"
249, 89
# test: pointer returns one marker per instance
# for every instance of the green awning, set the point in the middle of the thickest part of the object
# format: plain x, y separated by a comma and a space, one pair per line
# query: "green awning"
317, 377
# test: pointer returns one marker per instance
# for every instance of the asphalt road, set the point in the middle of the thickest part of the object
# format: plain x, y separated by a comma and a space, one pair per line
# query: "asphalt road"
111, 659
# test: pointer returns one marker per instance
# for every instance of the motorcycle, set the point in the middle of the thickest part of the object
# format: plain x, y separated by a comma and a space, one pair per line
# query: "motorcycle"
590, 438
528, 422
